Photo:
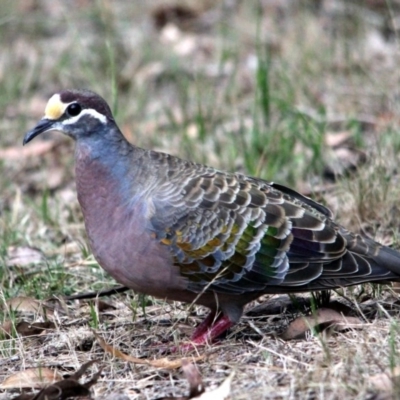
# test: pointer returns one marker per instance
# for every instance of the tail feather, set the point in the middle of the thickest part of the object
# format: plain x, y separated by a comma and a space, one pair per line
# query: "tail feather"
382, 259
389, 259
364, 260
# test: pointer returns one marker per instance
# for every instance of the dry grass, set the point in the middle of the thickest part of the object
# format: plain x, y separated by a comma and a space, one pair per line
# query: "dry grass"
258, 87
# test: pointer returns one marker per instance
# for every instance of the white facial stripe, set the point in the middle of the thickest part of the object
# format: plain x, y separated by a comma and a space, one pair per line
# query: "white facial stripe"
91, 112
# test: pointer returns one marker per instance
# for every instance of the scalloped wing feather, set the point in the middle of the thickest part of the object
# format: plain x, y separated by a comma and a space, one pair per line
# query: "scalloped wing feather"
232, 234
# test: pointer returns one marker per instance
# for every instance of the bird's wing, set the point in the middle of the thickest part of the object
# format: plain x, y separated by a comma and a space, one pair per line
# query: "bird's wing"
233, 234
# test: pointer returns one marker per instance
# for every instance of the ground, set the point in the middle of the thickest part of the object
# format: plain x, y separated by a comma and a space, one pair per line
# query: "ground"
303, 93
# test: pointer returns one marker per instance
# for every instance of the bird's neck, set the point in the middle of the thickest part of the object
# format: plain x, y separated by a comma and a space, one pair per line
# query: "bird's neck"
105, 183
108, 166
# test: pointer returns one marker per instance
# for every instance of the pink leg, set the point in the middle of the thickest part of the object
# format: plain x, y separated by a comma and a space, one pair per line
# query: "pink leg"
220, 325
213, 326
204, 325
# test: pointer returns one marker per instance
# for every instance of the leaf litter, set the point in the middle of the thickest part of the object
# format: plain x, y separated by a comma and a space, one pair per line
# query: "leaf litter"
63, 388
269, 375
324, 320
156, 363
197, 390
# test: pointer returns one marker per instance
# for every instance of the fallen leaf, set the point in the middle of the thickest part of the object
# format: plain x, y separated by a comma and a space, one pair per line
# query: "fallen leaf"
31, 329
340, 307
62, 390
194, 378
6, 329
35, 149
114, 396
324, 319
78, 374
66, 388
31, 378
343, 156
396, 287
196, 386
279, 305
103, 306
335, 139
66, 249
24, 328
222, 392
147, 73
343, 160
22, 256
55, 177
24, 304
349, 157
387, 381
158, 363
178, 14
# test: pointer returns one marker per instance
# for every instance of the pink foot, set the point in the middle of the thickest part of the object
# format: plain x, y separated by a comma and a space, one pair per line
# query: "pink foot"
205, 325
210, 329
221, 324
213, 326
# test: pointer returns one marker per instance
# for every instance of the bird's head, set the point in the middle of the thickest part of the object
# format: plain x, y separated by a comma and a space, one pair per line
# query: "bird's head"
76, 113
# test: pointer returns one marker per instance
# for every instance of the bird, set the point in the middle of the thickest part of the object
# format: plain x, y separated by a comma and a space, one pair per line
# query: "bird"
183, 231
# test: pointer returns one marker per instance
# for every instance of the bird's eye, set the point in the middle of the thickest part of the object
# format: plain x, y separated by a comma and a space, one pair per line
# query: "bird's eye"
74, 109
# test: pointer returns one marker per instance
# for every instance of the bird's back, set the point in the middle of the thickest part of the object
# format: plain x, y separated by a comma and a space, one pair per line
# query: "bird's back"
234, 234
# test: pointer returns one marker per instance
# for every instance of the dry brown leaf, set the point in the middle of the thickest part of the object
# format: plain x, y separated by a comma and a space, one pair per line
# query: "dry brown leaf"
6, 328
103, 306
195, 381
28, 6
24, 304
66, 388
325, 318
344, 160
349, 157
345, 157
340, 307
36, 328
196, 387
386, 382
280, 304
194, 378
78, 374
24, 328
55, 177
222, 392
35, 149
182, 44
146, 74
158, 363
181, 15
22, 256
28, 305
66, 249
396, 287
335, 139
31, 378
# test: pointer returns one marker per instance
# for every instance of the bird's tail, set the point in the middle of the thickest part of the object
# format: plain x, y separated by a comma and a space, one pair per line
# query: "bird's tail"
365, 261
384, 262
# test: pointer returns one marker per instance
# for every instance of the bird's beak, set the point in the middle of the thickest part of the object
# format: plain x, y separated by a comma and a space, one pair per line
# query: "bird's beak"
44, 125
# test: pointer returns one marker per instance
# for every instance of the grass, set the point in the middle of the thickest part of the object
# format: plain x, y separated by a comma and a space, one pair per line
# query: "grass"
255, 90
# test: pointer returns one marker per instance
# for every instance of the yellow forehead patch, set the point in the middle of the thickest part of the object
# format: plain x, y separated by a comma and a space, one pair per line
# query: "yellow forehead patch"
55, 107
